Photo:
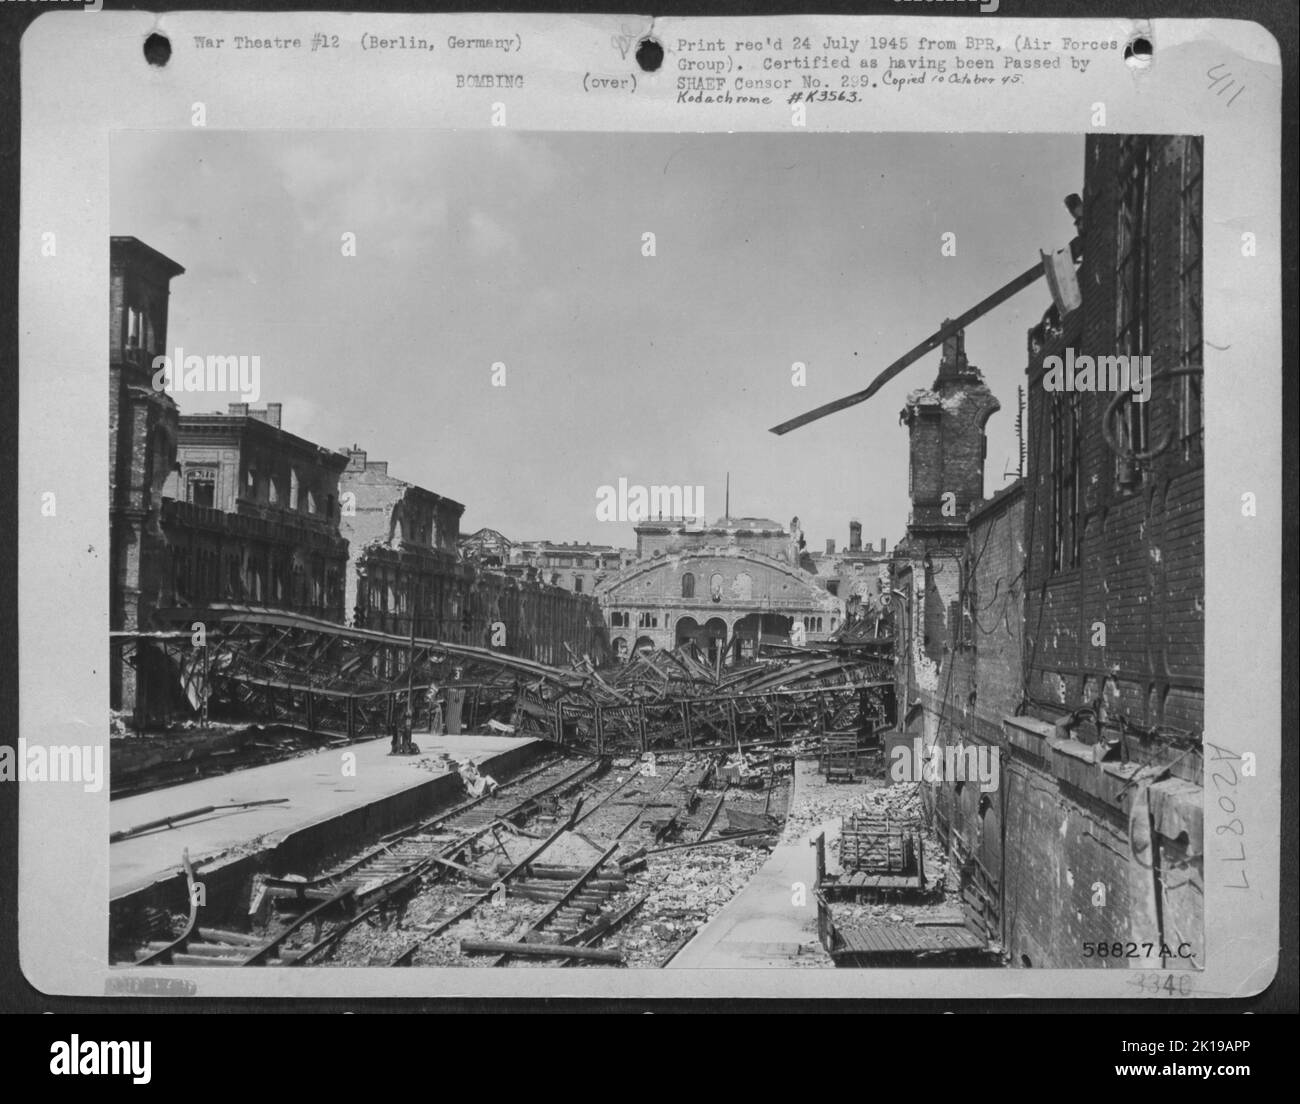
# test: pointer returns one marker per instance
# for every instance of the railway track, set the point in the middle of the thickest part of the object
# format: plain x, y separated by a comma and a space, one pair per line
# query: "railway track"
576, 898
372, 884
445, 862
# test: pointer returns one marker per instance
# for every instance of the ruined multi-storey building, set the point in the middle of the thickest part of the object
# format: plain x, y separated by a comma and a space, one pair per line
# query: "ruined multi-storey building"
402, 542
252, 515
1061, 623
409, 571
859, 577
576, 567
142, 426
485, 548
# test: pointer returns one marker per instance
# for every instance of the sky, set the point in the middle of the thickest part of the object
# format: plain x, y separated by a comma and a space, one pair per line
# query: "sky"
526, 249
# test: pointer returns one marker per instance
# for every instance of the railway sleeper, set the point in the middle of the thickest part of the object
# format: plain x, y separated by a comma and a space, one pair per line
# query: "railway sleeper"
217, 950
189, 959
587, 904
222, 935
613, 880
558, 888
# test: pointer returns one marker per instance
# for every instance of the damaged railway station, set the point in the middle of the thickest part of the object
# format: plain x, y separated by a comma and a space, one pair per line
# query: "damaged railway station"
347, 736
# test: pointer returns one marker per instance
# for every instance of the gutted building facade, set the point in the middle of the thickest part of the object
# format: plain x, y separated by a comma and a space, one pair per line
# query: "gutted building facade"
253, 515
576, 567
402, 550
409, 570
485, 548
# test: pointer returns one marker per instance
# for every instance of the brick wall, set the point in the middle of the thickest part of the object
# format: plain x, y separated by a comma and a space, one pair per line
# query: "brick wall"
1140, 570
974, 642
998, 546
1058, 847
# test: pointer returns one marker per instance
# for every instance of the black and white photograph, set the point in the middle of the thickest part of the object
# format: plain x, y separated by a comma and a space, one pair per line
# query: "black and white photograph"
467, 613
753, 512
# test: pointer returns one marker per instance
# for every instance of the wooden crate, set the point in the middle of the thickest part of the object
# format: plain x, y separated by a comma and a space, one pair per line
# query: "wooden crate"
876, 844
840, 756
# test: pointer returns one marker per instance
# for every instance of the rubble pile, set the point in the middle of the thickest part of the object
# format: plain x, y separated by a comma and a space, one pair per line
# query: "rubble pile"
828, 804
856, 914
821, 803
743, 769
688, 889
902, 801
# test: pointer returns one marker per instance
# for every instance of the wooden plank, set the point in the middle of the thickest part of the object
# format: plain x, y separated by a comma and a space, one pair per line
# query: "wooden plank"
538, 950
884, 939
875, 939
855, 940
905, 939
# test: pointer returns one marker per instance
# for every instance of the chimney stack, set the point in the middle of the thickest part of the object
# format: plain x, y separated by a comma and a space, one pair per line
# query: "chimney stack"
953, 361
830, 546
237, 410
882, 544
273, 411
855, 536
946, 444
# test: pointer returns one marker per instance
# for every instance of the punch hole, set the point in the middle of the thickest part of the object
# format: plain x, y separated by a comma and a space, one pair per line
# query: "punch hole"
157, 50
649, 55
1138, 53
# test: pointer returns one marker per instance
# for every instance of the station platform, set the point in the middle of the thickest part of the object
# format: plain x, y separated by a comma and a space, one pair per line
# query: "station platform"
333, 803
761, 927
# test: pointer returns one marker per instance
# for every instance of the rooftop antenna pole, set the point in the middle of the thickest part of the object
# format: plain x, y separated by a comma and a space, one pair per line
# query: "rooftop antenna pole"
1020, 430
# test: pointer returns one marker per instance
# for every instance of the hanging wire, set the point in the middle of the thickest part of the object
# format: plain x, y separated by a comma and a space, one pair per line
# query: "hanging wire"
1130, 456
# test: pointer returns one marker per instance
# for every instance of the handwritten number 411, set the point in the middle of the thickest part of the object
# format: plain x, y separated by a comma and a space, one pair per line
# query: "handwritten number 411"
1227, 80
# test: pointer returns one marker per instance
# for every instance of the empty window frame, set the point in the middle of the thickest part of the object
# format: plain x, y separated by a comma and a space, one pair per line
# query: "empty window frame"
1065, 475
1132, 288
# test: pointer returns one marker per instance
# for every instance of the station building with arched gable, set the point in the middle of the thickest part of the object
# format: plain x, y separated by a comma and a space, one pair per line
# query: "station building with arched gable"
726, 588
